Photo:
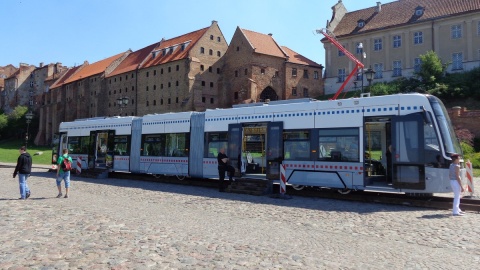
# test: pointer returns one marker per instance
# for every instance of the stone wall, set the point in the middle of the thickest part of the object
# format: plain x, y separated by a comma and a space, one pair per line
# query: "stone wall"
465, 119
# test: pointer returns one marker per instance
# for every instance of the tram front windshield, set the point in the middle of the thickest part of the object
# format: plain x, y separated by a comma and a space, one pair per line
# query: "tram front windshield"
450, 141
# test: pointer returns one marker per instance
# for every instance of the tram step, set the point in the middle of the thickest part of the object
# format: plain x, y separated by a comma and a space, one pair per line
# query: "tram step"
251, 186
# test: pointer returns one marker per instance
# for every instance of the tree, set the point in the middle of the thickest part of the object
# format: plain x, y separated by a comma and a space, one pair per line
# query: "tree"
431, 69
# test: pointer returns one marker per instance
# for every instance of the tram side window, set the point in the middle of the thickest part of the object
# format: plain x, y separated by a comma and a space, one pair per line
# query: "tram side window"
78, 145
177, 144
338, 144
121, 146
153, 145
214, 141
433, 156
296, 144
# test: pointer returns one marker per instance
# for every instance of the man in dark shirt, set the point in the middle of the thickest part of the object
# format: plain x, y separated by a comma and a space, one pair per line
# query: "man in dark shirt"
222, 168
23, 169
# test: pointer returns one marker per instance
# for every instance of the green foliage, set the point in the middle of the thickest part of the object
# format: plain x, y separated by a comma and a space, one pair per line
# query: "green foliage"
431, 69
3, 122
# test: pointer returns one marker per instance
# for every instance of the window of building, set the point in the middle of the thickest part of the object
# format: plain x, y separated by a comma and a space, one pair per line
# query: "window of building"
126, 89
262, 71
202, 50
169, 101
305, 92
341, 75
177, 68
457, 61
147, 73
210, 69
361, 23
164, 52
456, 31
154, 87
276, 73
133, 88
169, 69
176, 100
397, 68
169, 84
147, 103
294, 72
147, 88
133, 75
203, 83
305, 73
211, 84
478, 28
161, 71
154, 102
203, 99
202, 67
210, 52
219, 53
359, 48
377, 44
238, 49
211, 37
161, 101
315, 75
397, 41
161, 86
236, 73
110, 81
119, 77
182, 47
418, 38
218, 39
246, 71
155, 72
294, 91
419, 11
218, 70
235, 95
378, 70
340, 52
417, 63
211, 100
176, 83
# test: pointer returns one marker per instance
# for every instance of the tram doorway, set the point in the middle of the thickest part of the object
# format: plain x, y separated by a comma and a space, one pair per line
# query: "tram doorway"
256, 149
100, 153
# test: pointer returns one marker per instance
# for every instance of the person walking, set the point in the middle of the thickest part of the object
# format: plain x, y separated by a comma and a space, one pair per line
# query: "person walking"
63, 175
222, 168
23, 169
456, 183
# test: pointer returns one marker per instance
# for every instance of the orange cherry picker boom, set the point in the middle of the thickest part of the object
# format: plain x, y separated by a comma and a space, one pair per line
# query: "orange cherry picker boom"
331, 37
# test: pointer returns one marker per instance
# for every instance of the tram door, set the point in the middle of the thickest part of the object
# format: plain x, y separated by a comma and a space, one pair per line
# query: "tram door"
100, 154
408, 152
235, 133
274, 149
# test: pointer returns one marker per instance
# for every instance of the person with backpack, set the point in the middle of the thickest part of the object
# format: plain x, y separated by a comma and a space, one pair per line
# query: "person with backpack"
63, 172
23, 169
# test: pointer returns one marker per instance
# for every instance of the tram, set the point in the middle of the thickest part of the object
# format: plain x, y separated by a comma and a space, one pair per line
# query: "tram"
394, 143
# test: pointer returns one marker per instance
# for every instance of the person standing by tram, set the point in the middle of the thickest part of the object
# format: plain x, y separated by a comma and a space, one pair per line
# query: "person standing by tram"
456, 183
222, 168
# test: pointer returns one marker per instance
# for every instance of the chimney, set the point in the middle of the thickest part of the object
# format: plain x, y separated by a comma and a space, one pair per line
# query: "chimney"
270, 34
379, 7
41, 64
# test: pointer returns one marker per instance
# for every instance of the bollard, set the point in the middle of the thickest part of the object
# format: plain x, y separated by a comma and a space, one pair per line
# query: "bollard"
283, 182
79, 165
469, 172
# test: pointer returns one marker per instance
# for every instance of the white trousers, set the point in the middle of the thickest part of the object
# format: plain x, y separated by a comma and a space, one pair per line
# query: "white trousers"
456, 196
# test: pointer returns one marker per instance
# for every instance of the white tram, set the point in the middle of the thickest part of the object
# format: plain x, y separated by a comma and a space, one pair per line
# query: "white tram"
396, 143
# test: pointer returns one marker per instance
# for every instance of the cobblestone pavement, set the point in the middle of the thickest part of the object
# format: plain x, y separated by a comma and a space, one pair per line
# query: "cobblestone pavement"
125, 224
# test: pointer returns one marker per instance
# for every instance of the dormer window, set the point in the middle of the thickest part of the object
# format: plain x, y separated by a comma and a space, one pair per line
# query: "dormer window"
361, 23
419, 11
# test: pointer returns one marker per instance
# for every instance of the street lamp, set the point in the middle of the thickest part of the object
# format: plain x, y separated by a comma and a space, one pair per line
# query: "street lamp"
370, 73
28, 117
122, 103
364, 55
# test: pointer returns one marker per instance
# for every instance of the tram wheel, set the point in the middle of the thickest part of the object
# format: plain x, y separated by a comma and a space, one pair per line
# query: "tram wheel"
298, 187
180, 177
344, 191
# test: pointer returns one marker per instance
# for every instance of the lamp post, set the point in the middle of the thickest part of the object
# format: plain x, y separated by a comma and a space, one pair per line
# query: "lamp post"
122, 103
28, 117
370, 73
364, 55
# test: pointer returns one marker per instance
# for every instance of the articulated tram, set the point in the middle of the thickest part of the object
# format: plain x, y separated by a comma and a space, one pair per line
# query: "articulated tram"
395, 143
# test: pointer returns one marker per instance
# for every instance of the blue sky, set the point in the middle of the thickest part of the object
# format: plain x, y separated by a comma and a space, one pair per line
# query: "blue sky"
74, 31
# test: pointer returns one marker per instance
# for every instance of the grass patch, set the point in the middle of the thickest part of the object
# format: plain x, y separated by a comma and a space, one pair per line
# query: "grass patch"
9, 150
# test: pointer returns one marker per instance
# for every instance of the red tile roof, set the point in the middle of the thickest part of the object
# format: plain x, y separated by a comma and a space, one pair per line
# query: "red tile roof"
402, 12
297, 58
132, 61
93, 69
263, 44
65, 77
177, 54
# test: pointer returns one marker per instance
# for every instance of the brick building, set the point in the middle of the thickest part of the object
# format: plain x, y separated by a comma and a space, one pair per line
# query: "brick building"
18, 89
256, 68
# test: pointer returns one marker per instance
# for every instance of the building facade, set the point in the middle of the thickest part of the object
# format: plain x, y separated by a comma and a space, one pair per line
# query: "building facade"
389, 38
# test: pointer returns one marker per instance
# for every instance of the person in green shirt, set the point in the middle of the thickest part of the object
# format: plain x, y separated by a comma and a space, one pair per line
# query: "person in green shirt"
63, 175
